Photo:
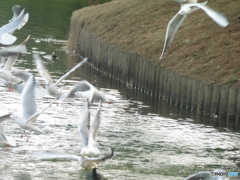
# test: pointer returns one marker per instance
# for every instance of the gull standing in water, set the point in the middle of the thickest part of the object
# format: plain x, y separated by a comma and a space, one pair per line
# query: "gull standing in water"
50, 85
29, 107
186, 9
89, 132
3, 138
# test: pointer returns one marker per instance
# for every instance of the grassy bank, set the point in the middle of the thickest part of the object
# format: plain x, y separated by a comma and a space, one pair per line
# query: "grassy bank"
201, 49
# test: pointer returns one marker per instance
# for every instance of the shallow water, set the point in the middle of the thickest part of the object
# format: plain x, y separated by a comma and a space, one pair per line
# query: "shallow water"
150, 141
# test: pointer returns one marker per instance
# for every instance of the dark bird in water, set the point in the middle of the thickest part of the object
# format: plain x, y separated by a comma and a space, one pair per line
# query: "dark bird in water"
94, 175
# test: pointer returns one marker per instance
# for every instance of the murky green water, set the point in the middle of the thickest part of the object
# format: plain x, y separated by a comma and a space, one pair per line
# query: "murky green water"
151, 141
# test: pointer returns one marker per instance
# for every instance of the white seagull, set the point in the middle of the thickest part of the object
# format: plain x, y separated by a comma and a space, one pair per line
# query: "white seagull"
89, 132
16, 9
186, 9
40, 92
84, 89
29, 107
9, 141
50, 85
5, 31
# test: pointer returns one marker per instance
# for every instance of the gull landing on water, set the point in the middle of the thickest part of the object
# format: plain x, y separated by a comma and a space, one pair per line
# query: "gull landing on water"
186, 9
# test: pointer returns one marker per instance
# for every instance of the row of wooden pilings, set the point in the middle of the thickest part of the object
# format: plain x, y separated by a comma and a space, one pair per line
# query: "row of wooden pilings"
220, 102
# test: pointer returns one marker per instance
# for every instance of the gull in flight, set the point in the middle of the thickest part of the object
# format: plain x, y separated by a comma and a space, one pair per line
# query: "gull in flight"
16, 9
40, 92
85, 162
84, 89
186, 9
5, 74
50, 85
13, 52
6, 37
3, 138
29, 108
89, 132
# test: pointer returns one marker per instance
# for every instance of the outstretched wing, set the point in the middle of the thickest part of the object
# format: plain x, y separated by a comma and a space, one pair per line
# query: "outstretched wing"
172, 28
219, 18
42, 69
83, 125
29, 106
70, 71
94, 127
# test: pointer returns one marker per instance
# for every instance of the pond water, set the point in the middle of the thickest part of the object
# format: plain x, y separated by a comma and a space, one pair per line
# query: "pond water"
151, 140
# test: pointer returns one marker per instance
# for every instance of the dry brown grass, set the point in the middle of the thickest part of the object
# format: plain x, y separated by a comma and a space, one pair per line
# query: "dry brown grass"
201, 49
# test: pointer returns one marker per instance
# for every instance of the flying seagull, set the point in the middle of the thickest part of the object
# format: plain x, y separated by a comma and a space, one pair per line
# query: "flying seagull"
50, 85
186, 9
85, 89
29, 107
6, 37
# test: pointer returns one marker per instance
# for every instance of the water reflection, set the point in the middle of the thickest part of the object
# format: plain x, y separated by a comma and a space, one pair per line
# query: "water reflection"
147, 145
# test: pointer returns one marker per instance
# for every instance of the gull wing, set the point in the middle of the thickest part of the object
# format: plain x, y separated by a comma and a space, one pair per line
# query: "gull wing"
3, 138
7, 39
12, 59
70, 71
48, 155
42, 69
13, 50
94, 127
172, 28
29, 107
219, 18
5, 117
104, 157
81, 86
34, 117
13, 25
83, 125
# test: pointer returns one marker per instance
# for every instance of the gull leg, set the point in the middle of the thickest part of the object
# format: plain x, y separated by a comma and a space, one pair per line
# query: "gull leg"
28, 136
22, 134
6, 147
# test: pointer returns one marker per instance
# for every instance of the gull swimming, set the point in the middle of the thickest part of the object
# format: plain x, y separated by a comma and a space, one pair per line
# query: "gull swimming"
89, 132
186, 9
29, 108
3, 138
50, 85
5, 31
85, 162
